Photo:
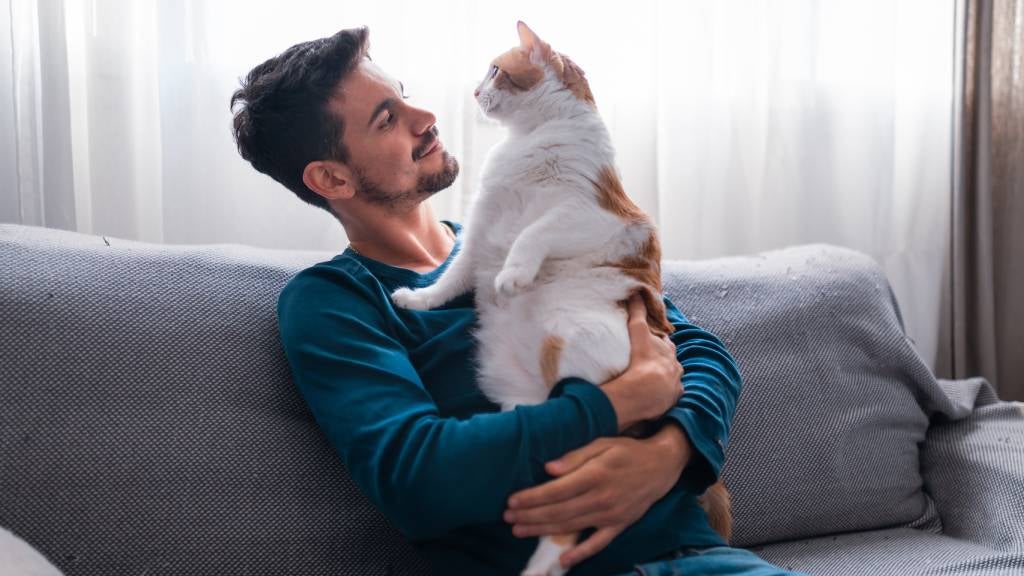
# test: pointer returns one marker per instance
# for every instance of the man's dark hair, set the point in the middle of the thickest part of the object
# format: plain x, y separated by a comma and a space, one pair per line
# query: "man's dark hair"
283, 121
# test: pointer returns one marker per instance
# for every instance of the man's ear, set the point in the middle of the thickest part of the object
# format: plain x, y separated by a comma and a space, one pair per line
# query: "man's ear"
330, 179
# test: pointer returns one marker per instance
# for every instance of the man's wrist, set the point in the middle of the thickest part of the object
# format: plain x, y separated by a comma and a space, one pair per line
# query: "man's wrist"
628, 408
676, 444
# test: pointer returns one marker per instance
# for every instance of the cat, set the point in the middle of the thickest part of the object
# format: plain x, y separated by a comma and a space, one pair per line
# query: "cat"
553, 248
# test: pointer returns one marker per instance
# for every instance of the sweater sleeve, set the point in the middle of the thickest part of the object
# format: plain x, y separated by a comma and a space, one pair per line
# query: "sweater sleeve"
711, 389
428, 474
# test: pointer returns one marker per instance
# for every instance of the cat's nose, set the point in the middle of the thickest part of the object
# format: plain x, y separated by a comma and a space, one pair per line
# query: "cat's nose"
476, 93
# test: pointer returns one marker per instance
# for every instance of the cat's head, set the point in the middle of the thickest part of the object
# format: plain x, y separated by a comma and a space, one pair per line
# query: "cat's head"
529, 78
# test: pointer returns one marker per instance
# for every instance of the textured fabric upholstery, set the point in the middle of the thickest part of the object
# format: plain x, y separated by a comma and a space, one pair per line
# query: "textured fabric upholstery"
973, 466
148, 423
835, 398
892, 552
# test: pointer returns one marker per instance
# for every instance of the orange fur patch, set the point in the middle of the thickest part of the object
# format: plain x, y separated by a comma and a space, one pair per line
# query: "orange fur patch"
645, 266
573, 78
517, 73
656, 315
550, 353
612, 197
522, 74
718, 505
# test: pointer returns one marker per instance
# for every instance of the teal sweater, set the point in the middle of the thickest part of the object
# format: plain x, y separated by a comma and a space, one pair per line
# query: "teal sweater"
395, 393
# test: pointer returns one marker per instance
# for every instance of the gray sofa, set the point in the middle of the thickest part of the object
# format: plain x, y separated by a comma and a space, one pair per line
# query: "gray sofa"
148, 424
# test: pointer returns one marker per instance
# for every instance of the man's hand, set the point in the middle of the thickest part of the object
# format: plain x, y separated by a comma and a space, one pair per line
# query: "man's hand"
608, 484
651, 383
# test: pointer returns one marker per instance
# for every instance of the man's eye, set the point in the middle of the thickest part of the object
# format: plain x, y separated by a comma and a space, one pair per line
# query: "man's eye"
387, 120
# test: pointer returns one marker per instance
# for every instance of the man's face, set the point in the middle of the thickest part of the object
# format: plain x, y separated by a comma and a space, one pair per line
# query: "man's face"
394, 150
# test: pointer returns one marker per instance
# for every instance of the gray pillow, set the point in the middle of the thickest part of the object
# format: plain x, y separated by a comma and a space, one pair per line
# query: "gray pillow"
835, 401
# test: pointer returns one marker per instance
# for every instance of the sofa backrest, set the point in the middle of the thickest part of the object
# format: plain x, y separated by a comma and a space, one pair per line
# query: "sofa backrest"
148, 423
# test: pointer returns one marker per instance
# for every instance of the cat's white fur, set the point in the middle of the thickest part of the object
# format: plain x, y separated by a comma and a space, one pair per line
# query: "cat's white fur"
538, 249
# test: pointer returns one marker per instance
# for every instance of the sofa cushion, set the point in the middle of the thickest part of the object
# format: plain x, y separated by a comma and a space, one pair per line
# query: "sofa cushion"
973, 467
835, 400
895, 551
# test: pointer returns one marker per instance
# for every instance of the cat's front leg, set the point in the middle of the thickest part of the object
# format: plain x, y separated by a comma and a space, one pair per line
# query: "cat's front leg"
529, 250
455, 281
518, 273
418, 299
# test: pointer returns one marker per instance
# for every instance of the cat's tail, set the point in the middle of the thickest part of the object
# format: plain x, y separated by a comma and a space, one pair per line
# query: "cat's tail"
717, 503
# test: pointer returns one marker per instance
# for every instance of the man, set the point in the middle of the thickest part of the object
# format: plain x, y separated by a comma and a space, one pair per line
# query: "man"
394, 390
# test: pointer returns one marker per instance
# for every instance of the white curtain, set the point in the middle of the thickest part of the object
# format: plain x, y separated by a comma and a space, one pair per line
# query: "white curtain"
740, 125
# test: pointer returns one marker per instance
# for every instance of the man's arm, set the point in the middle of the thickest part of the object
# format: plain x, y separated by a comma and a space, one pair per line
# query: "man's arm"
711, 390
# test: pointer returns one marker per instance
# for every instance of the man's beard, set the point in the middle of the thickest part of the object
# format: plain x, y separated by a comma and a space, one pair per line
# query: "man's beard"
405, 200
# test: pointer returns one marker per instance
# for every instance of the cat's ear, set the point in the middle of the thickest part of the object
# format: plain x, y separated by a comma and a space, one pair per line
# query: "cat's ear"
531, 43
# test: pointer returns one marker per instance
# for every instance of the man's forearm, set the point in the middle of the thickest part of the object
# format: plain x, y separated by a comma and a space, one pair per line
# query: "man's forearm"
629, 406
671, 439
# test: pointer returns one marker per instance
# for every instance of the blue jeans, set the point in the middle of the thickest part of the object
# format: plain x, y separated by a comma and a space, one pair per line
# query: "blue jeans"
711, 561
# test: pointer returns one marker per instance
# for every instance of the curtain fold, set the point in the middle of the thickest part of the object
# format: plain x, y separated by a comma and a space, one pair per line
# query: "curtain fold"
982, 334
1008, 193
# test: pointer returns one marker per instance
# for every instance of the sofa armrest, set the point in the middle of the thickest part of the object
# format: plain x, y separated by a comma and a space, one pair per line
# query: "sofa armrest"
973, 467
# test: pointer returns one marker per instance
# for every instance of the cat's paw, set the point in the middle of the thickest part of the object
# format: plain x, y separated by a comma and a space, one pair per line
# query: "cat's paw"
554, 569
544, 561
513, 279
413, 299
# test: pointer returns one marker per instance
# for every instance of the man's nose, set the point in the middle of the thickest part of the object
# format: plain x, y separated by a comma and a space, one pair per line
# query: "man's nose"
423, 121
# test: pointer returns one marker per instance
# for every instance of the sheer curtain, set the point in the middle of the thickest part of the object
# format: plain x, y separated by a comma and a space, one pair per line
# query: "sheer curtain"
740, 125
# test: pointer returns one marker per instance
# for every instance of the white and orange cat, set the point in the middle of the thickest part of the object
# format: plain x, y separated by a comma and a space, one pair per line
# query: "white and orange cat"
553, 248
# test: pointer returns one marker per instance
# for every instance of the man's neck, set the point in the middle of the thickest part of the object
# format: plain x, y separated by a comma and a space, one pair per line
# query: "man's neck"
416, 240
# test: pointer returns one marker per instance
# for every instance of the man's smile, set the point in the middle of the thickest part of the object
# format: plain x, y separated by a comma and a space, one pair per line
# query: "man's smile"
430, 145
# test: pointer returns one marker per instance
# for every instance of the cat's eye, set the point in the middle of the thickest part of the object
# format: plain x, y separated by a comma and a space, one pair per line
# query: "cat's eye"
493, 72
